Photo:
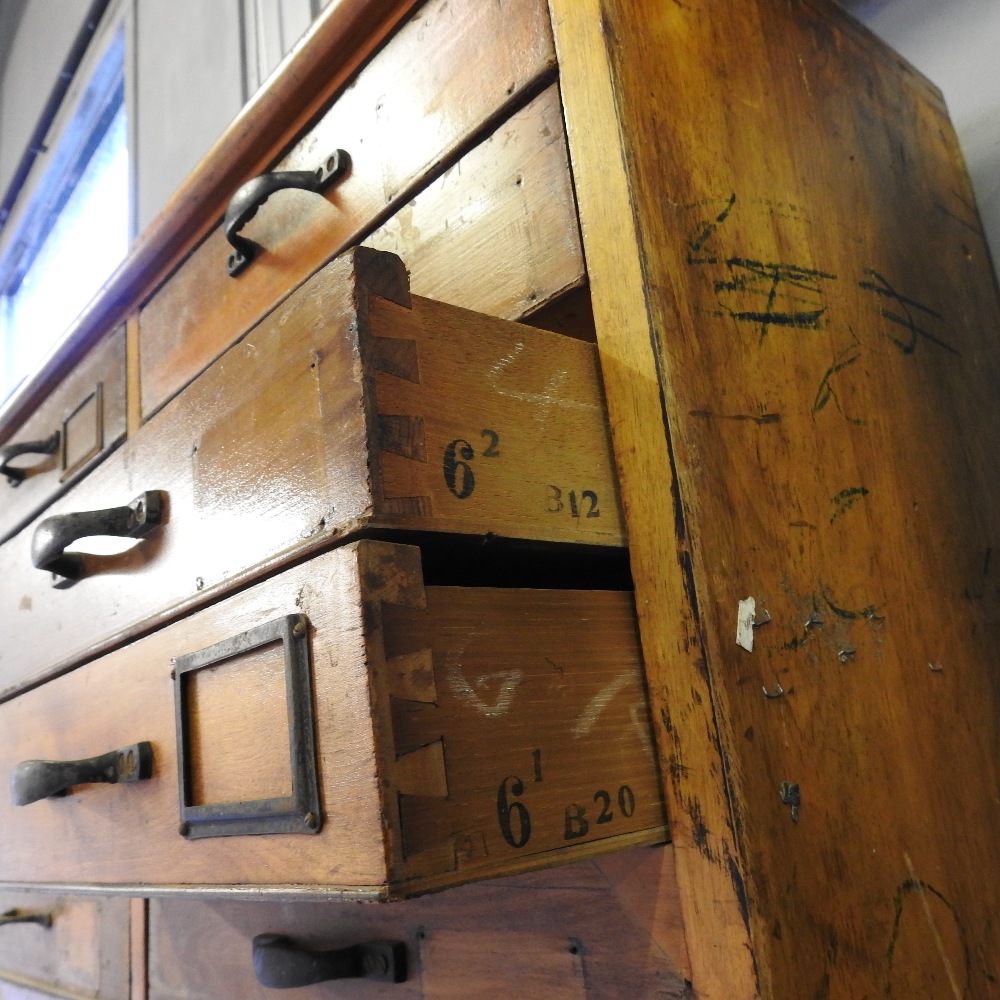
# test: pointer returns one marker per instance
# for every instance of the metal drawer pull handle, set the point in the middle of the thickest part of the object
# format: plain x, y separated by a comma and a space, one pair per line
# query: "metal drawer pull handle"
47, 446
33, 780
282, 965
54, 533
20, 917
244, 204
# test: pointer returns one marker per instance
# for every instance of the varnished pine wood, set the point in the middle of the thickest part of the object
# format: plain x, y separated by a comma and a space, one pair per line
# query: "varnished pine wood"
608, 928
336, 414
692, 764
512, 190
133, 411
792, 287
512, 670
85, 953
95, 391
464, 62
341, 39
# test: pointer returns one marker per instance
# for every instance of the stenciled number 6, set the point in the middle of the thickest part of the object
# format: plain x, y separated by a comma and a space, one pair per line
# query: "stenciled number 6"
457, 471
507, 809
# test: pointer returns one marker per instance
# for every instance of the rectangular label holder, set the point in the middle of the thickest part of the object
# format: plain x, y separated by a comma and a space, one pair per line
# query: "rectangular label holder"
298, 813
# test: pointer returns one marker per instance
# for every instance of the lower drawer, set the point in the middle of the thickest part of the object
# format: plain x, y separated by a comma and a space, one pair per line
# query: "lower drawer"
608, 929
63, 945
341, 729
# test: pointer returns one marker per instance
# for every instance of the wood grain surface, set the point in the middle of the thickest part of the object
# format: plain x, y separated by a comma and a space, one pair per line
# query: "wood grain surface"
512, 191
797, 317
342, 411
607, 929
87, 409
464, 62
85, 952
530, 688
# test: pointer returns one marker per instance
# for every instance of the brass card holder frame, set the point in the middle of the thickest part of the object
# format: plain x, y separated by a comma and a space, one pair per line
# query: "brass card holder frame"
298, 813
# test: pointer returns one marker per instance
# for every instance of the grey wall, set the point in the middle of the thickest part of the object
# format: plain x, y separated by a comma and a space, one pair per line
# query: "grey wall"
955, 44
192, 64
188, 87
45, 33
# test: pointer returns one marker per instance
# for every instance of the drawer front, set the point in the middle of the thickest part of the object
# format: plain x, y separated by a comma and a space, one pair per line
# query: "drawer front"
608, 929
341, 411
460, 733
80, 946
78, 424
463, 62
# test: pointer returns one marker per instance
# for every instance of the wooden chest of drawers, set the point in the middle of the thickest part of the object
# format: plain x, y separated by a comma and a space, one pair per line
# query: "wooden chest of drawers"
794, 327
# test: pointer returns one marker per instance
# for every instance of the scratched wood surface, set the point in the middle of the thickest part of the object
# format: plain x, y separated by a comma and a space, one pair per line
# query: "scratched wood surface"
607, 929
87, 410
84, 953
465, 64
461, 733
341, 411
798, 324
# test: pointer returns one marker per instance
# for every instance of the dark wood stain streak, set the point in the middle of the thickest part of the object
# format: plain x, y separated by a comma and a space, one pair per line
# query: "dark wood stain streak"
846, 499
697, 243
903, 893
762, 420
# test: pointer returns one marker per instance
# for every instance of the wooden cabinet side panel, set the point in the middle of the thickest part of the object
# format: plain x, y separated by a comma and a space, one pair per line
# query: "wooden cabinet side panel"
823, 315
693, 763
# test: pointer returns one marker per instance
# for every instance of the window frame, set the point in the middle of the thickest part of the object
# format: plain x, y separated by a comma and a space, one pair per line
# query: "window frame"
103, 83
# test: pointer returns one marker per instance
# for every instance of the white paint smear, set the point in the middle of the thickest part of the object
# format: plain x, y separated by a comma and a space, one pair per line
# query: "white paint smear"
589, 716
509, 681
549, 398
744, 623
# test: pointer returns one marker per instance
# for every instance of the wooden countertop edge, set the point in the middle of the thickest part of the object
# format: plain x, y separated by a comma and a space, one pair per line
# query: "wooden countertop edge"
337, 45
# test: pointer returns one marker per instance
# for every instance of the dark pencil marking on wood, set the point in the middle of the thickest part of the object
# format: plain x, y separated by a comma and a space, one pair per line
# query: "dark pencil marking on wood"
880, 285
767, 279
707, 229
846, 499
762, 420
826, 392
921, 888
870, 612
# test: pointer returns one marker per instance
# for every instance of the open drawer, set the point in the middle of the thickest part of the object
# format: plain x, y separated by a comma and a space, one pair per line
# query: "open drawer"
352, 407
342, 729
